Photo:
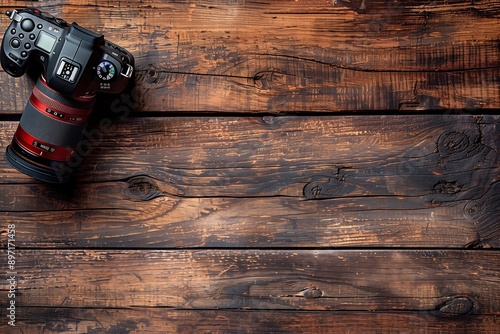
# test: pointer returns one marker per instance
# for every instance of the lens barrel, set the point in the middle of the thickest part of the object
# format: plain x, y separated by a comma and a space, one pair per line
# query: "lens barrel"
48, 133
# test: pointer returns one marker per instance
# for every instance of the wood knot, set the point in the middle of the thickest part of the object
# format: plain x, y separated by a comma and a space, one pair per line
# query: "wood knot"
456, 306
485, 207
457, 145
447, 187
311, 292
474, 210
142, 188
265, 79
273, 120
327, 187
152, 75
152, 71
451, 143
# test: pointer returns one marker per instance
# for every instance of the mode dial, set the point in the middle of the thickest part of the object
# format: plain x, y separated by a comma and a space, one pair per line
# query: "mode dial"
106, 70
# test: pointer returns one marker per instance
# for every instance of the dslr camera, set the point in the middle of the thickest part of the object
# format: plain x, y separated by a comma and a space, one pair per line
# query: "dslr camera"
77, 64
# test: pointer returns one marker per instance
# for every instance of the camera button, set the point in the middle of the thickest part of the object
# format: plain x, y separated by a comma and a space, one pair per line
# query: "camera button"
61, 22
21, 35
27, 25
47, 15
13, 56
32, 37
24, 54
15, 43
27, 46
39, 26
13, 31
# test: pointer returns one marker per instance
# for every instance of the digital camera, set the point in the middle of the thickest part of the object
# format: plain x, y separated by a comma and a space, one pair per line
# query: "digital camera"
77, 64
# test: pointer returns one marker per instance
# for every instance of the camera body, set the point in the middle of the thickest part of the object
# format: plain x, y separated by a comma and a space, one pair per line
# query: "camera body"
75, 60
77, 64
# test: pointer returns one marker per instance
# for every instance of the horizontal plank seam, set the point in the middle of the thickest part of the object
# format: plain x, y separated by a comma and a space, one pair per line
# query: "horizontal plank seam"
337, 66
362, 311
15, 117
367, 249
364, 70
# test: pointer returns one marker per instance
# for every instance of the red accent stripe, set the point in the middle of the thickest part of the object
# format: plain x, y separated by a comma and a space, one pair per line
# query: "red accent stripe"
42, 102
26, 140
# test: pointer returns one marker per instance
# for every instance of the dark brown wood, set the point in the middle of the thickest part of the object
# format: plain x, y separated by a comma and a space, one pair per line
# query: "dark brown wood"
349, 280
284, 56
385, 181
369, 212
163, 320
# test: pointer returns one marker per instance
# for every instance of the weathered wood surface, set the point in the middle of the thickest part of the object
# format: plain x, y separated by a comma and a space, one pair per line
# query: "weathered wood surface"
383, 222
365, 280
161, 320
391, 181
295, 56
285, 188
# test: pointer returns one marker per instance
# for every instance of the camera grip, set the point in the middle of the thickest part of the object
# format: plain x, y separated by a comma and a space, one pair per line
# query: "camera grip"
12, 64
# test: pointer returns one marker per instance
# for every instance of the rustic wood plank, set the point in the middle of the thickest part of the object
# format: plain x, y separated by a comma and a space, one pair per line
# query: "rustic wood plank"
171, 223
236, 222
284, 56
453, 282
153, 320
425, 181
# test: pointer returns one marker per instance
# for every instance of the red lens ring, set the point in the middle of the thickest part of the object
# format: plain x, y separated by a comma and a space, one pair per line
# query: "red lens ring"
42, 102
25, 140
67, 114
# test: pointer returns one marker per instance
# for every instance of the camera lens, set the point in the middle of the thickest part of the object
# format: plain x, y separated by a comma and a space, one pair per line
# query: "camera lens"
48, 134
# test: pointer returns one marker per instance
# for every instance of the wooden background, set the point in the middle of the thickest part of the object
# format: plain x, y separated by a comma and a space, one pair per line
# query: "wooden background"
282, 166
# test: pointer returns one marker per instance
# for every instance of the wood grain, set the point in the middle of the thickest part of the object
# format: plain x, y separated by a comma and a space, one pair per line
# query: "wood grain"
332, 167
454, 282
284, 56
162, 320
382, 181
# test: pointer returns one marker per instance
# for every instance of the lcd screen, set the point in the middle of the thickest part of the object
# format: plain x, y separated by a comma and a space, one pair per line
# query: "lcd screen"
45, 41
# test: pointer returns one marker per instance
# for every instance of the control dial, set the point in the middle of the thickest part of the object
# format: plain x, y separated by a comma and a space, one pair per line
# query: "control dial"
106, 70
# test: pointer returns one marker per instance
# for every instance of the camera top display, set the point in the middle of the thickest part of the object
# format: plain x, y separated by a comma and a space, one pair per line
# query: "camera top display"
75, 61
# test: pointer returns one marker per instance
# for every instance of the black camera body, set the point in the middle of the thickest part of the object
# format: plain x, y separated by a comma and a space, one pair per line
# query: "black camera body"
75, 60
77, 64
